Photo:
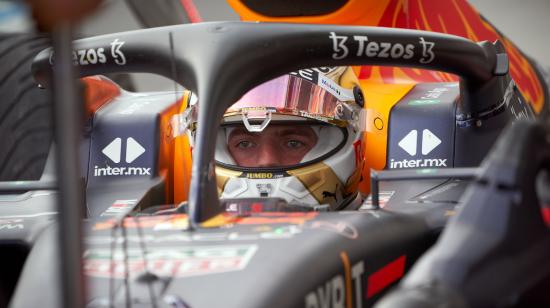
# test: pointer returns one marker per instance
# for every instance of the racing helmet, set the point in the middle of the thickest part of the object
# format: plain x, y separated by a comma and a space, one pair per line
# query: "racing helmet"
298, 137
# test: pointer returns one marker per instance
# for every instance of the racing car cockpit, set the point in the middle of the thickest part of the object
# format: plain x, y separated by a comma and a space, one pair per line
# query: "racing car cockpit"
283, 151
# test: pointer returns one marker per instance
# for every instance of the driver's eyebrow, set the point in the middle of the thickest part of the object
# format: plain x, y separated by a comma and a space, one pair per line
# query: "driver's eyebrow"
240, 132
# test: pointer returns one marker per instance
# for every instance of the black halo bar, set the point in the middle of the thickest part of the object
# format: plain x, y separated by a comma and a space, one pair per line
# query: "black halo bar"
220, 61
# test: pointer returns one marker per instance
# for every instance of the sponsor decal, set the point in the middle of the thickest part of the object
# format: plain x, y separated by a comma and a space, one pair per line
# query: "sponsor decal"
431, 97
409, 144
335, 89
90, 56
313, 116
383, 50
133, 150
383, 199
85, 57
148, 222
168, 261
117, 54
259, 175
113, 151
434, 93
11, 224
429, 142
319, 76
180, 221
269, 232
348, 289
339, 290
374, 49
418, 163
105, 171
120, 207
339, 48
312, 74
257, 233
427, 51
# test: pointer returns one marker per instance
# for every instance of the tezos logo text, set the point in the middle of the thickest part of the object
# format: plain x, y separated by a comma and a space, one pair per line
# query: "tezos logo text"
374, 49
90, 56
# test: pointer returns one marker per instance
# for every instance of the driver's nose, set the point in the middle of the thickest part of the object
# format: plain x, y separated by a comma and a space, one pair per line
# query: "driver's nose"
268, 155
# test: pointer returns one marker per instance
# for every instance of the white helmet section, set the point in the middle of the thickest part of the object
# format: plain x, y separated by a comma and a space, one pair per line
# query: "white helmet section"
328, 138
344, 162
288, 188
222, 154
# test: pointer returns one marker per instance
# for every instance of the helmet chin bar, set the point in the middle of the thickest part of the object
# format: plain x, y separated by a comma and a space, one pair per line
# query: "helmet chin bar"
256, 115
220, 61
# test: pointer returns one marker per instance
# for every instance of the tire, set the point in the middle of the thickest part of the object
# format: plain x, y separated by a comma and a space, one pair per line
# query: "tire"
25, 110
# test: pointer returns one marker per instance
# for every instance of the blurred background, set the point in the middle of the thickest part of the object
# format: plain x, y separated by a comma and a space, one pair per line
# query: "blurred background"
525, 22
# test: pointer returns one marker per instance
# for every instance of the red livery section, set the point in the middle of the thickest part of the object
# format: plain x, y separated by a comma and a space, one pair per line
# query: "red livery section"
545, 210
455, 17
459, 18
385, 276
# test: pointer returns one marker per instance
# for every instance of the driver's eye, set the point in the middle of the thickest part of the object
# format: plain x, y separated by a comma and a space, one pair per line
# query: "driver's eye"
245, 144
294, 144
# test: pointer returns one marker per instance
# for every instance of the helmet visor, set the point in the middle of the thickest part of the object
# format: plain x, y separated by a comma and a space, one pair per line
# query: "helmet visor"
293, 95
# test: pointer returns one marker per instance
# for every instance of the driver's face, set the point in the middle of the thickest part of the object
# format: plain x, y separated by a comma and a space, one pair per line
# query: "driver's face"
275, 146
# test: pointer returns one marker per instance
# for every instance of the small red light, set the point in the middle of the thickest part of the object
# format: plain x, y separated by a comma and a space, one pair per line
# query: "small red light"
256, 207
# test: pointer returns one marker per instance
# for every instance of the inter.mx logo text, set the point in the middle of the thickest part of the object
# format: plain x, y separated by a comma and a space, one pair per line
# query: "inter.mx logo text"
114, 152
409, 144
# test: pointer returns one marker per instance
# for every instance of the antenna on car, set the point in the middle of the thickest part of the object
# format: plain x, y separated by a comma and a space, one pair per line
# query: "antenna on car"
71, 201
58, 17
